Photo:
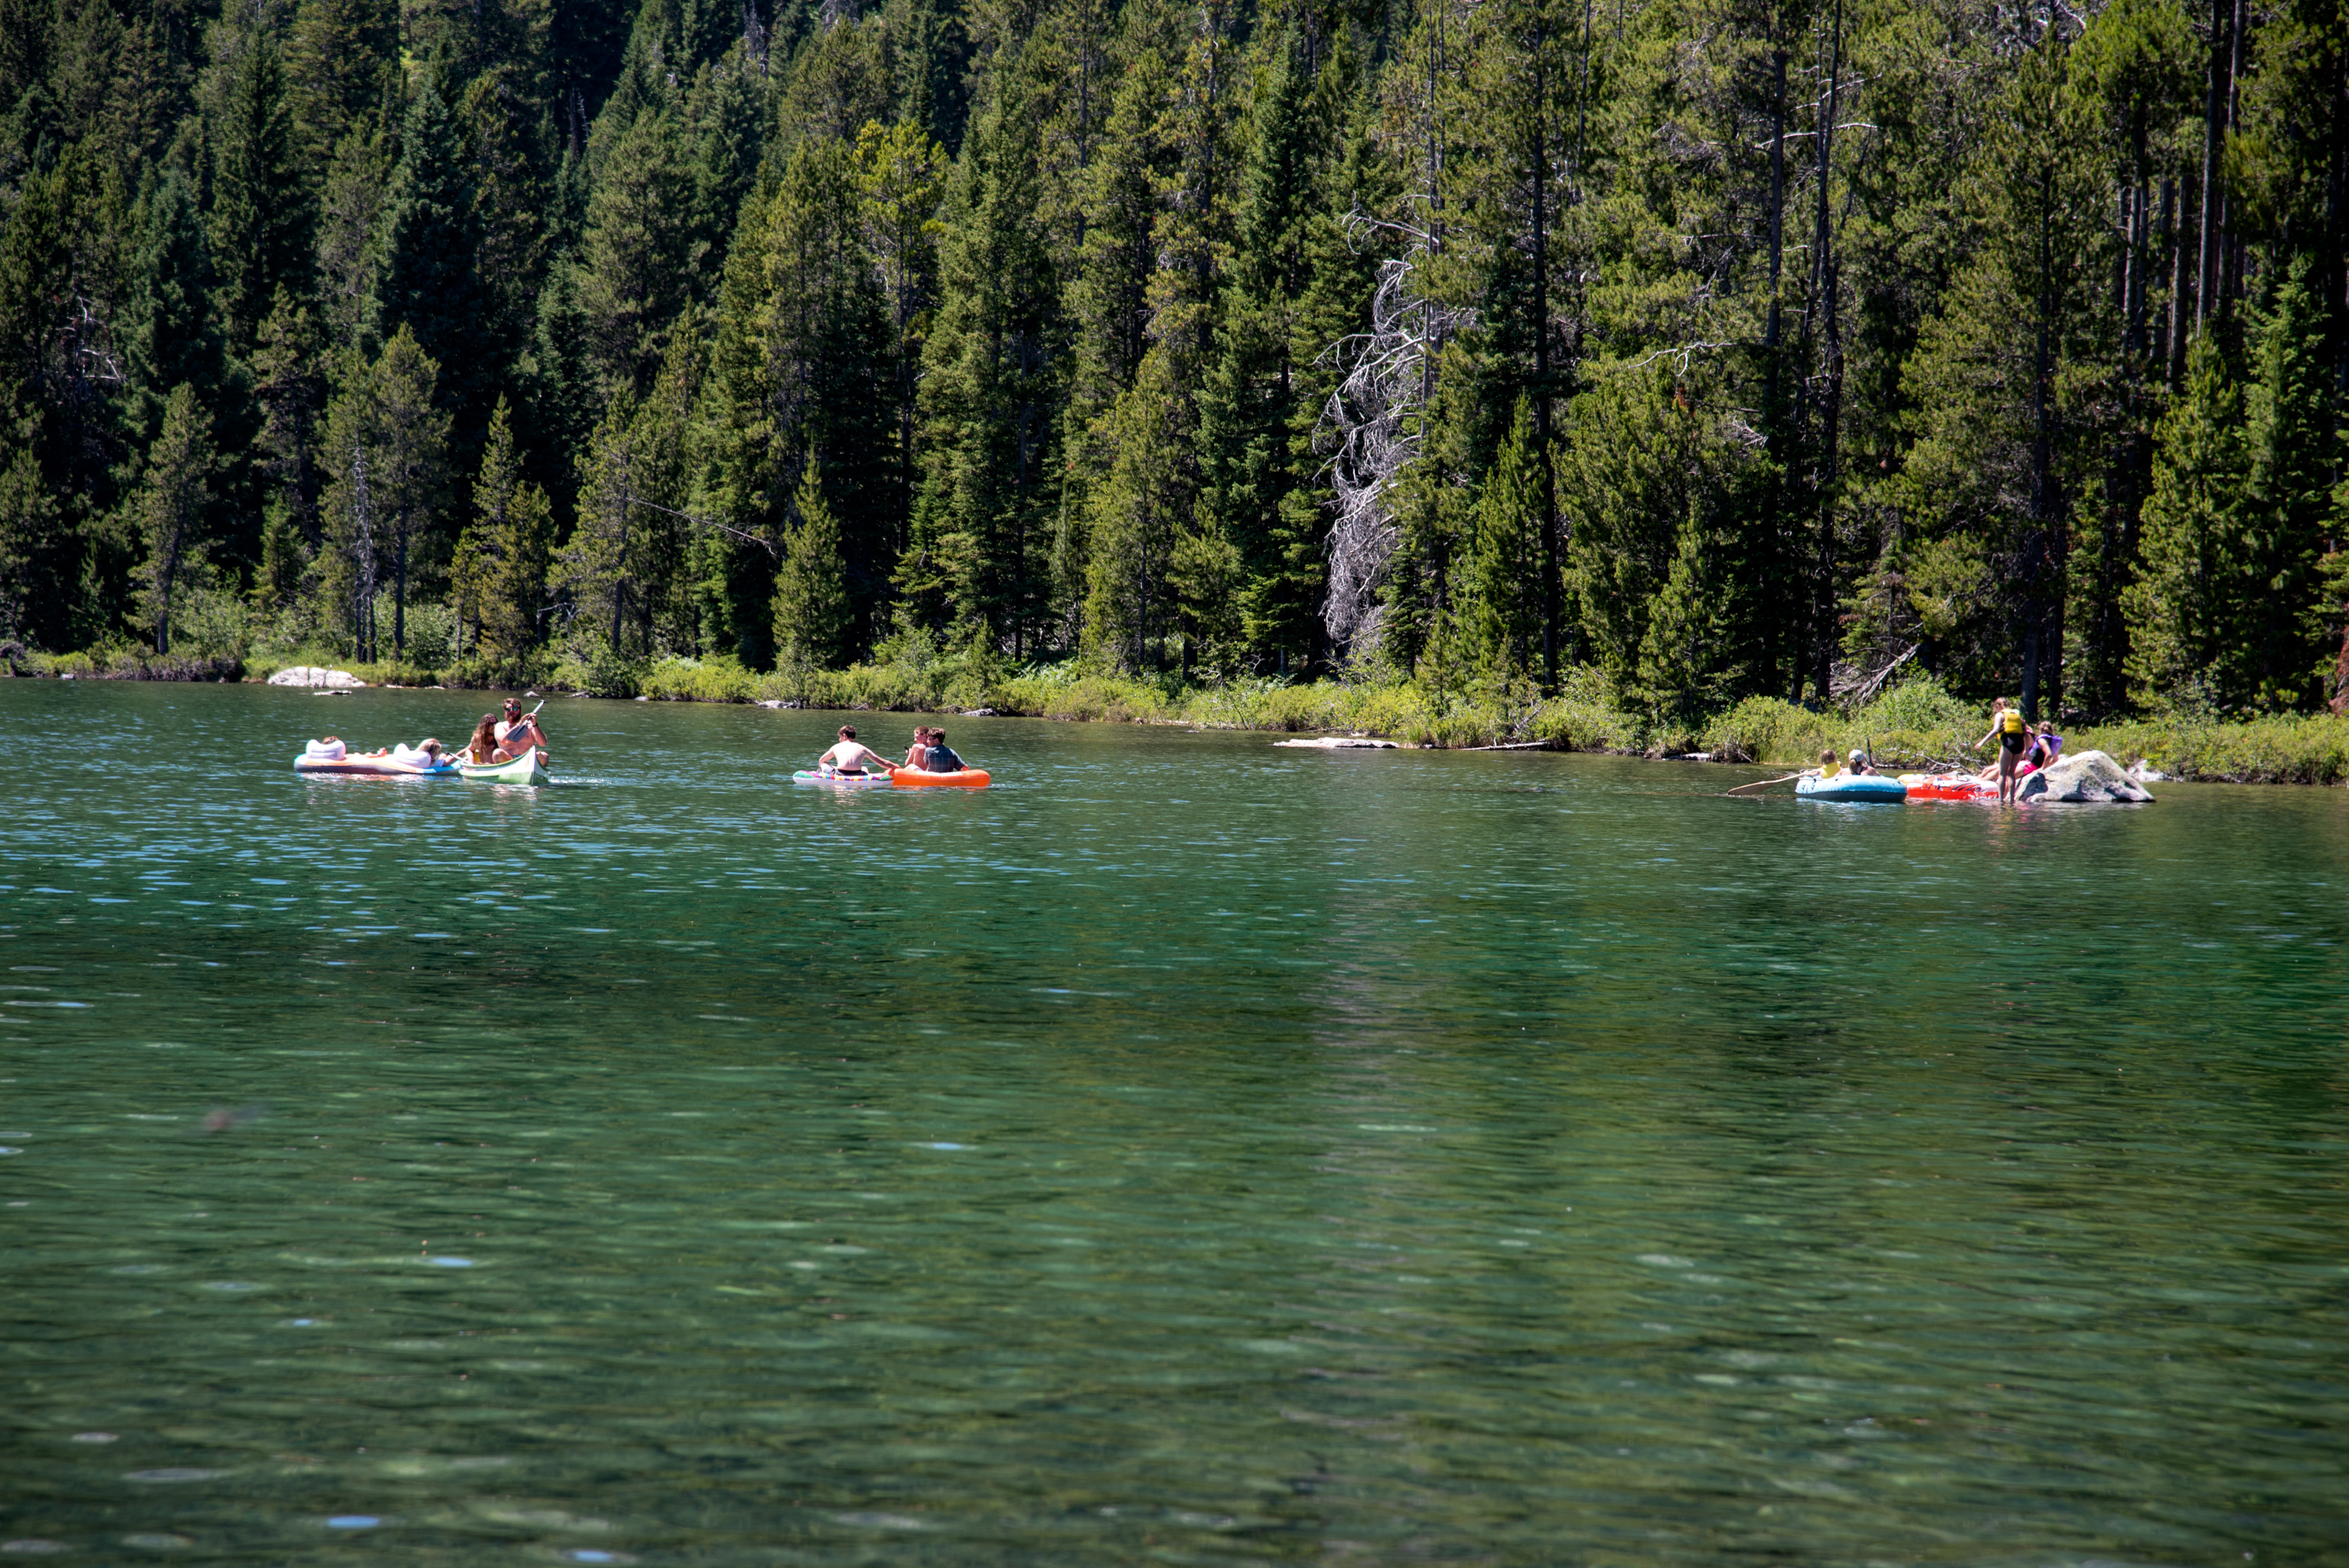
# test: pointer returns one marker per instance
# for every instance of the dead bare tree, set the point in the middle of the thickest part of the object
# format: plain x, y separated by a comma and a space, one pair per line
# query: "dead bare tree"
1372, 427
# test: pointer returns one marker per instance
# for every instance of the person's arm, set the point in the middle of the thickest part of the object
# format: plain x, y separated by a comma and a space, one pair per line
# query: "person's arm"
1987, 739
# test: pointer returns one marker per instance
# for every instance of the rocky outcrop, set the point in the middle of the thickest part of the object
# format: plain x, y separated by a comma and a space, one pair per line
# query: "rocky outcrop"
315, 675
2089, 776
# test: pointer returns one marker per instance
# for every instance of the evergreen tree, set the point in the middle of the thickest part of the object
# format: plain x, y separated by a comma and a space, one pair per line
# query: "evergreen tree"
620, 565
342, 61
636, 263
2287, 514
387, 447
991, 399
510, 198
349, 257
1255, 398
260, 226
899, 182
29, 534
498, 576
172, 336
815, 618
1504, 621
172, 507
1109, 298
1135, 525
289, 387
822, 345
428, 287
1992, 482
722, 130
2184, 606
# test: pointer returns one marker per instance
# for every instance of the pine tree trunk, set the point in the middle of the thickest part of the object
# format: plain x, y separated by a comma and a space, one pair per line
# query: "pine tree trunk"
1549, 553
400, 594
1770, 419
1831, 412
2214, 109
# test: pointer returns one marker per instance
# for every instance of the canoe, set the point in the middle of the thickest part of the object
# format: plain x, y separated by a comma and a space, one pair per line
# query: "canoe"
1948, 786
382, 764
1851, 787
962, 778
525, 769
826, 778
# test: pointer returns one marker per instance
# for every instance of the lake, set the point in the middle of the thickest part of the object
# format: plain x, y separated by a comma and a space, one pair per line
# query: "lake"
1186, 1150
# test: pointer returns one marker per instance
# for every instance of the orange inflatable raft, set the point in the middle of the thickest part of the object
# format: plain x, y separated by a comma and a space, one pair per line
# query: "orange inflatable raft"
963, 778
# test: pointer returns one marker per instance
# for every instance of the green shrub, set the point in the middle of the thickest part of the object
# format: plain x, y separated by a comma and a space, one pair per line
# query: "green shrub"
2309, 749
720, 678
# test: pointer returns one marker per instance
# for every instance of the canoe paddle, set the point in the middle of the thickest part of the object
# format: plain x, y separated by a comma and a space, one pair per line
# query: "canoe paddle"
1763, 784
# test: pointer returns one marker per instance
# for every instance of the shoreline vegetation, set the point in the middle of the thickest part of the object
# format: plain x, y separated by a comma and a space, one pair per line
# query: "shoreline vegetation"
1916, 726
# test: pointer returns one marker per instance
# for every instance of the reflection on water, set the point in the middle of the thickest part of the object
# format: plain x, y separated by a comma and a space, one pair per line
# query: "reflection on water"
1185, 1149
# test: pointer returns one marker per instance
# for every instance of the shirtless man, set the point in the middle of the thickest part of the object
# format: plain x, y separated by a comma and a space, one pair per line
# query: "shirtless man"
518, 730
852, 757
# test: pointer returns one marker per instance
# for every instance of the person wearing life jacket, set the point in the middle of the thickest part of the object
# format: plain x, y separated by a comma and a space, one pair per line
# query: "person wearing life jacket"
2008, 728
1828, 766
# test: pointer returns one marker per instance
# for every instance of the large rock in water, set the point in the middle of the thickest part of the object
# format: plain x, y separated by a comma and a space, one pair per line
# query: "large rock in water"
315, 675
2089, 776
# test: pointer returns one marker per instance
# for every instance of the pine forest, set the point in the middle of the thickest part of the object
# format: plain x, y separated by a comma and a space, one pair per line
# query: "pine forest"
1688, 351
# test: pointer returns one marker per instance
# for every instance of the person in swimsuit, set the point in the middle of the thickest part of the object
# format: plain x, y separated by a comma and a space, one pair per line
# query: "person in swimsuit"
918, 754
849, 758
2007, 729
2045, 747
1828, 767
1860, 767
483, 747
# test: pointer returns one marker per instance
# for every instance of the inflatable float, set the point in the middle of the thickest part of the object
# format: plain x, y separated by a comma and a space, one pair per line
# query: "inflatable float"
1851, 787
1948, 786
825, 777
530, 768
333, 757
961, 778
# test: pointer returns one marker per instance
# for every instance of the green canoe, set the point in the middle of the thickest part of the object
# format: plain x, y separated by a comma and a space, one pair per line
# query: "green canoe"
522, 770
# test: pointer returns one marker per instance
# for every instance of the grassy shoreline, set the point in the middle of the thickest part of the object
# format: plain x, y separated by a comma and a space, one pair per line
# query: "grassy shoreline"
1915, 725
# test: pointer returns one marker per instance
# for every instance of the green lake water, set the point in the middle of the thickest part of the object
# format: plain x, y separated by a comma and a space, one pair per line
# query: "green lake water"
1185, 1151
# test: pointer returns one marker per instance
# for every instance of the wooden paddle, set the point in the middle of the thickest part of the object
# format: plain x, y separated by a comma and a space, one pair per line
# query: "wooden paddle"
1763, 784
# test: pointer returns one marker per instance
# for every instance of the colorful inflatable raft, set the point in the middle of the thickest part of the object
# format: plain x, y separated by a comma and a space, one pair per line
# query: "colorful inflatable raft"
826, 778
373, 764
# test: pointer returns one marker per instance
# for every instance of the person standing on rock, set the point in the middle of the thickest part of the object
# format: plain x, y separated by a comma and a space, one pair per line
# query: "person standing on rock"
2012, 734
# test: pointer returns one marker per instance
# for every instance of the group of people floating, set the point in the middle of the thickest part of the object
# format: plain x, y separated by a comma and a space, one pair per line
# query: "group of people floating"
929, 754
2021, 750
495, 740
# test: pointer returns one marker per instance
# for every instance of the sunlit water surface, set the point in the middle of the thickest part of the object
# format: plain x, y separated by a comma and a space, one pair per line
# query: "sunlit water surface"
1186, 1150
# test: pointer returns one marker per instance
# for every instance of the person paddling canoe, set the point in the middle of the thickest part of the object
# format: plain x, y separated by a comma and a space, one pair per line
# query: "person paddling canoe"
518, 730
